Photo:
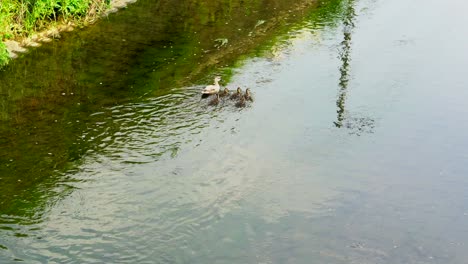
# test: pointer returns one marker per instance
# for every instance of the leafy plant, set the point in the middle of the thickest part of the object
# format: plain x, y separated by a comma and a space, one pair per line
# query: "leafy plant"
21, 17
4, 58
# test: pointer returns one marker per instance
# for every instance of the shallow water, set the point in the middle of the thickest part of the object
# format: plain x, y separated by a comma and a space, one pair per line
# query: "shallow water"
352, 152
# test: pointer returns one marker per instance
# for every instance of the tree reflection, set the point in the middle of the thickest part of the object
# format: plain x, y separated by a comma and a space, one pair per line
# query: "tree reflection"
49, 98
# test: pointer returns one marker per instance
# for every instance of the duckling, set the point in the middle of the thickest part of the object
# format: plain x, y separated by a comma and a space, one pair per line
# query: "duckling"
236, 95
214, 101
248, 95
241, 102
225, 92
212, 89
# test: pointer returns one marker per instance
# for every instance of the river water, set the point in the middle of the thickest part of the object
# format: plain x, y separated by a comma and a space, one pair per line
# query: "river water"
353, 151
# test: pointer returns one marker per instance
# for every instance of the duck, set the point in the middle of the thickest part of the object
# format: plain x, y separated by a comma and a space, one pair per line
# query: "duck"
248, 96
214, 88
214, 101
237, 95
241, 102
224, 93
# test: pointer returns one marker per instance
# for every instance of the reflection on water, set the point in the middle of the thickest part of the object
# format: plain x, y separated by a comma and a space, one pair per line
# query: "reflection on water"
54, 95
356, 125
98, 107
111, 155
344, 55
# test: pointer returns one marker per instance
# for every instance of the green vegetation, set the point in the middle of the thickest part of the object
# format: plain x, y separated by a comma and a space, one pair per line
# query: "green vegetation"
3, 54
19, 18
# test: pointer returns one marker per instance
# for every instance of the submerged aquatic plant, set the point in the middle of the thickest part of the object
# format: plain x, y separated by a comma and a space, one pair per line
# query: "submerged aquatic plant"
221, 42
259, 23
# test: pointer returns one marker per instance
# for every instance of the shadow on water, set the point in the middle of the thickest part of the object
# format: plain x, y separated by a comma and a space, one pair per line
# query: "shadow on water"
93, 89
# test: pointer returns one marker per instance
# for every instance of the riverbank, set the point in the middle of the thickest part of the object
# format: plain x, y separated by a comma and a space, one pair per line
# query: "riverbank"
27, 25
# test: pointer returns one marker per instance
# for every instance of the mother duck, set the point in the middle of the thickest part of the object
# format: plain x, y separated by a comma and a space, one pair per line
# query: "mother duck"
214, 88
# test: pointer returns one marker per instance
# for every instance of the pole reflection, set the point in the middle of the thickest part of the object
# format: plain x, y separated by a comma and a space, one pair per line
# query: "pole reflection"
357, 125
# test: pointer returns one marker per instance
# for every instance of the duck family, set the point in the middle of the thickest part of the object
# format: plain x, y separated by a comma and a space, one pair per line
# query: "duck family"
241, 99
244, 98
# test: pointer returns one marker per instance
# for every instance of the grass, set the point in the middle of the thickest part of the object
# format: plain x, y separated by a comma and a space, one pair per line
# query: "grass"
21, 18
4, 58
